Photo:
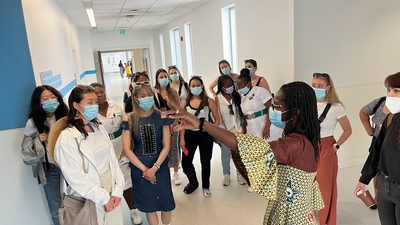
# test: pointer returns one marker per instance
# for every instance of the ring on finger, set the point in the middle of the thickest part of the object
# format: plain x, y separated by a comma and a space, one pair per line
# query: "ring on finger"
177, 111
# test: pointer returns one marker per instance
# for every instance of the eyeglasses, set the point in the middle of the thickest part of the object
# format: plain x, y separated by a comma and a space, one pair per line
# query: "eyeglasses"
140, 84
274, 106
231, 110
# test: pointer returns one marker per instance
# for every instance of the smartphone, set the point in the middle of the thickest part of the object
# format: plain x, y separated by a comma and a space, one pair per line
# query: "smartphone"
185, 151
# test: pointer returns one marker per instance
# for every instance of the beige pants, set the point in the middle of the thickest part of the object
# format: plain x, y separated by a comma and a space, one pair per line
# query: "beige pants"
114, 217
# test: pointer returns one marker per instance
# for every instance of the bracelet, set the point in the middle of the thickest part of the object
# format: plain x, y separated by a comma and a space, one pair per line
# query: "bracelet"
156, 165
201, 123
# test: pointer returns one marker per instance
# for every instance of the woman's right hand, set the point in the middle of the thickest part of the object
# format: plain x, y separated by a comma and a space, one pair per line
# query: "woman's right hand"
109, 205
182, 143
42, 137
360, 187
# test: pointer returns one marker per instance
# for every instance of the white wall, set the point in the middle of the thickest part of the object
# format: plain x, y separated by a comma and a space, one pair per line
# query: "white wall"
51, 37
86, 49
113, 41
357, 43
264, 33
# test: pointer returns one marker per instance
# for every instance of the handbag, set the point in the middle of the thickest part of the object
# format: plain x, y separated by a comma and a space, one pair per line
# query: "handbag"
77, 210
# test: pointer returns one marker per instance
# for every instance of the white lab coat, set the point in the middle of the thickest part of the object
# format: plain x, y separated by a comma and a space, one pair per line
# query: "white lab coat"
71, 162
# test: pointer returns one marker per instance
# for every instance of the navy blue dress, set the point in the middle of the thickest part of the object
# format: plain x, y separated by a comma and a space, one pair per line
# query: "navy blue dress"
147, 147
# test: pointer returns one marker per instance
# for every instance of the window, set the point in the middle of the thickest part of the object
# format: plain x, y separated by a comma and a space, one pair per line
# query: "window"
162, 51
175, 48
189, 49
229, 37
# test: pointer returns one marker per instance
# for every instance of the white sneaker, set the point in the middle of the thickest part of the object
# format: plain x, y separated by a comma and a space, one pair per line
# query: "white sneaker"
207, 192
227, 180
241, 180
250, 189
177, 180
136, 217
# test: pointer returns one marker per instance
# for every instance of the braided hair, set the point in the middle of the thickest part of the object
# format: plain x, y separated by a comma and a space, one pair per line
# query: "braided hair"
300, 97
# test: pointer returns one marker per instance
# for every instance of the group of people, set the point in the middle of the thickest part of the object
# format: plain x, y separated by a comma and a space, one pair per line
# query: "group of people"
125, 67
107, 153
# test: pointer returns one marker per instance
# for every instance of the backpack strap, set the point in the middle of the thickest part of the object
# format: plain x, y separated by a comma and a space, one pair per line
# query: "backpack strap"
378, 104
323, 115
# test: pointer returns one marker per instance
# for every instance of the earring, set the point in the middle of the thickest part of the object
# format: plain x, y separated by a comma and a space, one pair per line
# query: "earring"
78, 115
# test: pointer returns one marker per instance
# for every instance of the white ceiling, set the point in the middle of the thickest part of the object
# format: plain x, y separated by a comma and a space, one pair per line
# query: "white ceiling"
121, 14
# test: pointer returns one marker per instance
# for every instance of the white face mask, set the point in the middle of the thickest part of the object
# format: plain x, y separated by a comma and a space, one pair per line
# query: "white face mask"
393, 104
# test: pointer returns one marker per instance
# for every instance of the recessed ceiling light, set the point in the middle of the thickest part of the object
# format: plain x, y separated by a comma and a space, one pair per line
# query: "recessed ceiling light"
134, 10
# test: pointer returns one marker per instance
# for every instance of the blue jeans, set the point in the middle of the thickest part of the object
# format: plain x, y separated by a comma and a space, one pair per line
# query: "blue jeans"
52, 191
225, 159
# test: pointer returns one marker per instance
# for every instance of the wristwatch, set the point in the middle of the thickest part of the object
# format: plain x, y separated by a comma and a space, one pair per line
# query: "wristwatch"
336, 146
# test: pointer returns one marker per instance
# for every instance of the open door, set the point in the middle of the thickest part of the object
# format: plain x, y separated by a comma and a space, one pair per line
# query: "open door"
101, 68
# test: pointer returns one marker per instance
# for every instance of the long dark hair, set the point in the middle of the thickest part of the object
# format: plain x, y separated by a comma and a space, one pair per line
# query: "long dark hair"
74, 116
168, 87
203, 96
300, 97
235, 95
39, 115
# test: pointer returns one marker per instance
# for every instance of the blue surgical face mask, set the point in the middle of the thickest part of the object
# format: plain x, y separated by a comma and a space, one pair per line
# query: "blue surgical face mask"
244, 90
164, 82
174, 76
251, 71
133, 84
226, 71
276, 118
50, 105
196, 90
320, 92
146, 103
90, 112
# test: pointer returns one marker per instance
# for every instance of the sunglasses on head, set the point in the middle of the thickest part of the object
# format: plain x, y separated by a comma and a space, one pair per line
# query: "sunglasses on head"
320, 75
139, 84
231, 110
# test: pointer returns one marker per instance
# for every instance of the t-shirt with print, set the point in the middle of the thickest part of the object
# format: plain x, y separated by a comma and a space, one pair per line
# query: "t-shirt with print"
379, 115
334, 114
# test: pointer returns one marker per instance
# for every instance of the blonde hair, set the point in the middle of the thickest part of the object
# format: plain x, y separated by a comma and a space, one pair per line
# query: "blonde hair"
137, 110
332, 96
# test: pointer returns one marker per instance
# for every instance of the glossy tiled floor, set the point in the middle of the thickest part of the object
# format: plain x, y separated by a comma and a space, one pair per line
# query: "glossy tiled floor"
233, 205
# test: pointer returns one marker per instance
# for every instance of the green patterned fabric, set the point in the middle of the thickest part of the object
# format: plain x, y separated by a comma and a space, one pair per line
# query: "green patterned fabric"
293, 194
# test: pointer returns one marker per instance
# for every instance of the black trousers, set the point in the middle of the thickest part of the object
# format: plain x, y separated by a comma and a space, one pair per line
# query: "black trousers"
388, 200
205, 142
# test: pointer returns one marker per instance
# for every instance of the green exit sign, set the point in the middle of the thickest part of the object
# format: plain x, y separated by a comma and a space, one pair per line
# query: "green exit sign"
122, 32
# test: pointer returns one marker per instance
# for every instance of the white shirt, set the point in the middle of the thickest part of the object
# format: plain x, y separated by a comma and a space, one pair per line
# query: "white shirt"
82, 171
30, 130
112, 122
184, 93
334, 114
254, 100
230, 121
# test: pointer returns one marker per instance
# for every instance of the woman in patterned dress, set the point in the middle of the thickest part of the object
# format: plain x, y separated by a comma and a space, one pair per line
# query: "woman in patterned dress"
282, 171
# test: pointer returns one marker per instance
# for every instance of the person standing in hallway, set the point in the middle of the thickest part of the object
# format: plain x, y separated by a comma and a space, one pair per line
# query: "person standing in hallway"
149, 133
282, 171
47, 106
110, 115
384, 158
121, 68
255, 103
128, 70
327, 99
163, 88
203, 107
224, 69
182, 88
256, 80
232, 119
377, 110
87, 159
